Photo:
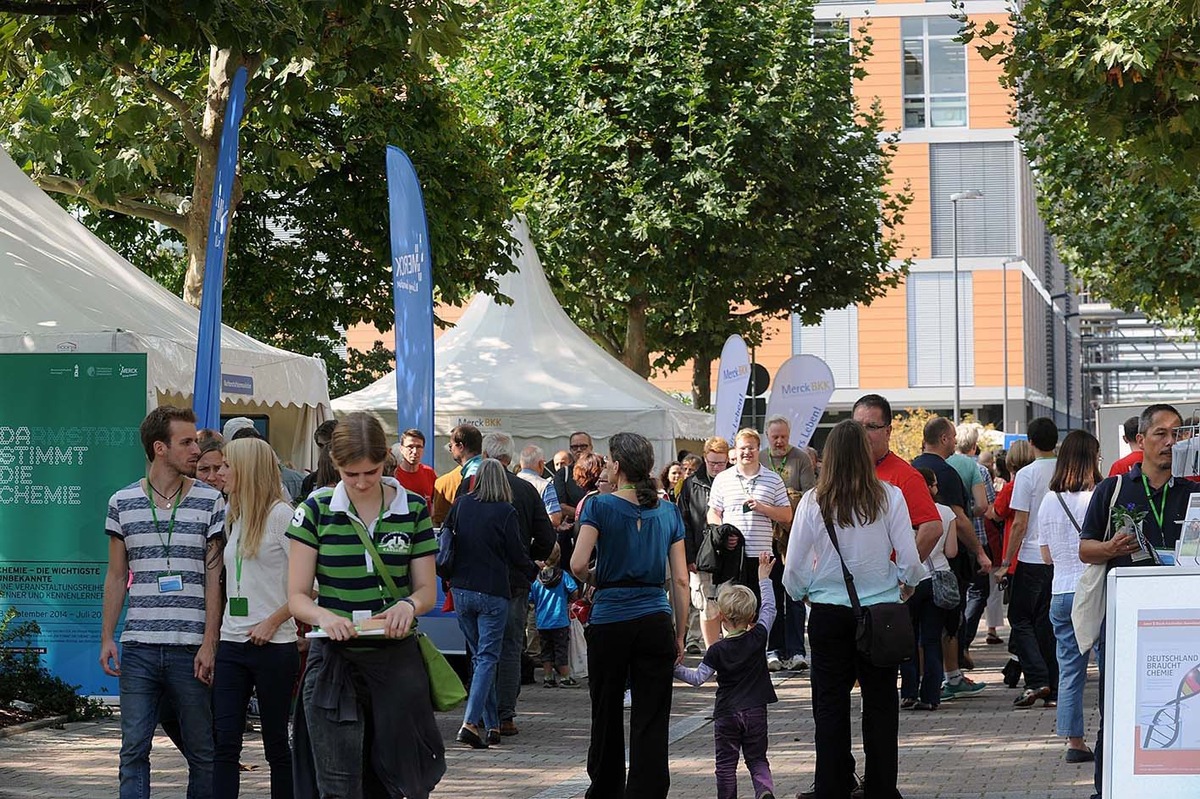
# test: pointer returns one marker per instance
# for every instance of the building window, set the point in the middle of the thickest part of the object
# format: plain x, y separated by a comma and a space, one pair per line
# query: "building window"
935, 73
931, 329
987, 226
834, 340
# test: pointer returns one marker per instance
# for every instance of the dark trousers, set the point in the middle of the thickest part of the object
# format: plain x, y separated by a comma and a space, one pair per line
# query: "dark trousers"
1098, 749
508, 671
928, 622
977, 592
640, 652
835, 664
242, 668
776, 639
793, 627
1032, 638
746, 732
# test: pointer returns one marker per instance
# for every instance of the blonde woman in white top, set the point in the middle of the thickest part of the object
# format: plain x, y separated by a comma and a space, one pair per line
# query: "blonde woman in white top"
1060, 519
258, 635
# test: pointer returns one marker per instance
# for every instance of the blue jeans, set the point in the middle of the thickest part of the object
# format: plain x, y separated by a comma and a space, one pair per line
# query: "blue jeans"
150, 675
1072, 668
242, 668
508, 674
482, 619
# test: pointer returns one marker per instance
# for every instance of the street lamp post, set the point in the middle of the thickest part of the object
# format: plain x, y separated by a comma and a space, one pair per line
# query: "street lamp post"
969, 194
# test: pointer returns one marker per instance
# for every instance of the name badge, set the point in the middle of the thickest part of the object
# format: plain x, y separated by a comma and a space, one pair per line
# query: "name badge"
239, 606
359, 616
170, 583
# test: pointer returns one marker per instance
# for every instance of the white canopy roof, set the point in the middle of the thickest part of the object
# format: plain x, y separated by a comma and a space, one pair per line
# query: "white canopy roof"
527, 370
64, 290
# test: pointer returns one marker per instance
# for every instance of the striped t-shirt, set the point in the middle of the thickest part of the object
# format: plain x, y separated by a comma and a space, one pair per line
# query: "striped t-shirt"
731, 489
326, 521
175, 617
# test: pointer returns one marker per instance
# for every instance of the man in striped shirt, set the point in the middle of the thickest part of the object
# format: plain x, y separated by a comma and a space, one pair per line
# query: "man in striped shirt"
752, 498
167, 531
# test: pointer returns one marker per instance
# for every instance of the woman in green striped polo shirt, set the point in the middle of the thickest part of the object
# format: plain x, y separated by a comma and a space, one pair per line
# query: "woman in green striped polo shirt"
362, 683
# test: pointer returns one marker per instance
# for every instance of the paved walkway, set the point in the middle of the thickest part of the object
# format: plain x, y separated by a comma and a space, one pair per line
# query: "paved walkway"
976, 747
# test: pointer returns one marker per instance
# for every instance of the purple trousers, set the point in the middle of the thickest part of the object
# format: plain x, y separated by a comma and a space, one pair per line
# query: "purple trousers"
745, 731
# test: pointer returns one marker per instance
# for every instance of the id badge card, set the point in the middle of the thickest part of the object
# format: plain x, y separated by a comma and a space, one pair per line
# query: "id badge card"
239, 606
359, 616
170, 583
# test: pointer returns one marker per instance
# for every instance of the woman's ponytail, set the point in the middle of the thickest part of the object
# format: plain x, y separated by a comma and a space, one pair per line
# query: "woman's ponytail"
635, 457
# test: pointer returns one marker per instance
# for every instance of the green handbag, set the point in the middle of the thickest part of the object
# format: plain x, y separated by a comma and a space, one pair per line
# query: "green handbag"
445, 689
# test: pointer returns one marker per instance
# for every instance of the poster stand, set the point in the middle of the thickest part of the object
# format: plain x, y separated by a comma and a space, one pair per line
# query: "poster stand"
1152, 683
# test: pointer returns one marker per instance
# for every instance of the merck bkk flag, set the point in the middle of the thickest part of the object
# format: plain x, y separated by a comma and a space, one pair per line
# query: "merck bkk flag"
206, 392
412, 284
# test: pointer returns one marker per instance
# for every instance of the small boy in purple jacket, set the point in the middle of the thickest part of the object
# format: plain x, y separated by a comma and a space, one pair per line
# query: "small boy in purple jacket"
744, 686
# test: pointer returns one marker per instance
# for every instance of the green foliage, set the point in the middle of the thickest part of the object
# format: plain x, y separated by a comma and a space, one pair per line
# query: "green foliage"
1108, 98
689, 168
23, 677
120, 113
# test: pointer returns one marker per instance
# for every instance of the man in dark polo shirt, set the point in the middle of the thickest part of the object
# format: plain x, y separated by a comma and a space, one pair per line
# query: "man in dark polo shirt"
939, 440
1148, 488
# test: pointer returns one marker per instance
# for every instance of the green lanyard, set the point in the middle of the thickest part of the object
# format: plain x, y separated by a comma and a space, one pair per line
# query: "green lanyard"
237, 562
1160, 511
170, 527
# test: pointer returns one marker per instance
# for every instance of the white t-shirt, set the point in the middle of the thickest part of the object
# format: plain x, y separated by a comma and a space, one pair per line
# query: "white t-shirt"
264, 579
731, 488
937, 558
1057, 533
1031, 485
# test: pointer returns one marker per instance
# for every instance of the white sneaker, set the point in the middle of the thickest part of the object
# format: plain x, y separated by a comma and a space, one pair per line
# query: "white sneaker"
628, 701
798, 663
774, 663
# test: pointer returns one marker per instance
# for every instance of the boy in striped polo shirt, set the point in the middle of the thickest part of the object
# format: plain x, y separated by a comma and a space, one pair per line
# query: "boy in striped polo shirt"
167, 531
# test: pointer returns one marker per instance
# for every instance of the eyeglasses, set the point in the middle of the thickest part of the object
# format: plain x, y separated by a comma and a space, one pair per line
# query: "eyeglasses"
716, 464
577, 447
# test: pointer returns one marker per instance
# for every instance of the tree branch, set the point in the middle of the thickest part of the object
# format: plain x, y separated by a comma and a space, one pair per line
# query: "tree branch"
60, 184
177, 103
48, 9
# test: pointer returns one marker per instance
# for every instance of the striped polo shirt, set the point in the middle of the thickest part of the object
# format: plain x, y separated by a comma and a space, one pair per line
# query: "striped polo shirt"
731, 489
176, 617
326, 522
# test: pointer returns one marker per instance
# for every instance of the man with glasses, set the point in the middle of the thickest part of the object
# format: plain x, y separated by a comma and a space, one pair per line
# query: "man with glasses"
693, 506
874, 413
466, 446
417, 477
570, 494
753, 499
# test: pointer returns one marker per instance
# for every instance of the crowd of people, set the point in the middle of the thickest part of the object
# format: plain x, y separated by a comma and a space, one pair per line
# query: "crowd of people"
756, 555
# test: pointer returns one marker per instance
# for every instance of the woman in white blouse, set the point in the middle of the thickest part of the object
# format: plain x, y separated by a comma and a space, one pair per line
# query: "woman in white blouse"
871, 521
1059, 521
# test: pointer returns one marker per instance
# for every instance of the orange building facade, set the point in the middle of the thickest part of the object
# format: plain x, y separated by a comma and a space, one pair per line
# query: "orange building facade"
1018, 338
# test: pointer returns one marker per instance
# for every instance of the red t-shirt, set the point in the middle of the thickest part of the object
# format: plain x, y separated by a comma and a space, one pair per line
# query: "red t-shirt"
1002, 508
893, 469
419, 482
1125, 464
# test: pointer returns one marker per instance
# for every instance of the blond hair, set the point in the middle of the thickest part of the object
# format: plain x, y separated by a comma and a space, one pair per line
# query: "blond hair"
737, 604
1020, 455
257, 488
748, 432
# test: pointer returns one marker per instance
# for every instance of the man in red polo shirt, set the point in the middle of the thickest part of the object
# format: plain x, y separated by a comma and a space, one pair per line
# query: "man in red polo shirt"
410, 472
875, 414
1135, 455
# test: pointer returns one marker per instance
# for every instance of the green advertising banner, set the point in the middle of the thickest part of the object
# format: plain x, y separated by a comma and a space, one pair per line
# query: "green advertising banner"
68, 440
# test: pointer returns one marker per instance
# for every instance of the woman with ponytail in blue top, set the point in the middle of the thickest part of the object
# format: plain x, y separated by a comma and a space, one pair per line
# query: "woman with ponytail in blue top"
631, 637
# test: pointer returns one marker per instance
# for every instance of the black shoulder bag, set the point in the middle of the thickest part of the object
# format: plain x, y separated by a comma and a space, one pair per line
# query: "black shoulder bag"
885, 633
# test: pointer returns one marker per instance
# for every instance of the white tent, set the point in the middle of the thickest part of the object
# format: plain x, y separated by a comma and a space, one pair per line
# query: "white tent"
527, 370
64, 290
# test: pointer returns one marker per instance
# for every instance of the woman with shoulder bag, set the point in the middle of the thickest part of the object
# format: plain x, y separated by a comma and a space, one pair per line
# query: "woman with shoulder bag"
1060, 518
870, 520
365, 695
487, 542
921, 678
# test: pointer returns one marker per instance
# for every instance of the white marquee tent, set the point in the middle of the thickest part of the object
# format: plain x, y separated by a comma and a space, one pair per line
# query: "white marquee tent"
527, 370
64, 290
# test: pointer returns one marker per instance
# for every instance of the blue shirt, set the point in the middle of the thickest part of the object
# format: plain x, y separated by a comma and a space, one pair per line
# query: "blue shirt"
625, 553
551, 603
